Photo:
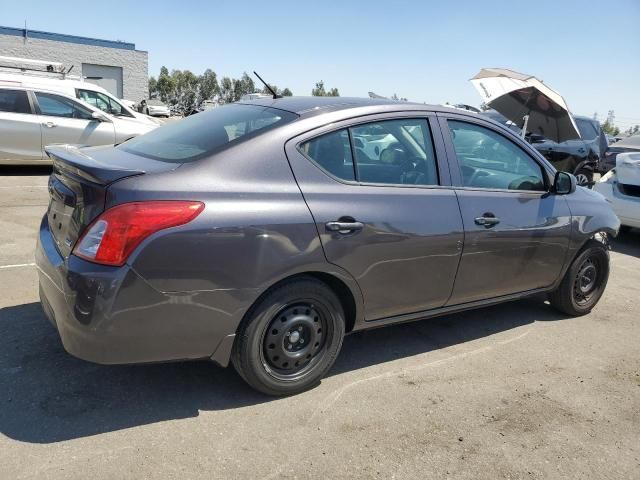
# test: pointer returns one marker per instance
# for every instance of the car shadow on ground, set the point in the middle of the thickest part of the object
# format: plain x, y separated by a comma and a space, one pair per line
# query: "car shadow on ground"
48, 396
627, 243
24, 170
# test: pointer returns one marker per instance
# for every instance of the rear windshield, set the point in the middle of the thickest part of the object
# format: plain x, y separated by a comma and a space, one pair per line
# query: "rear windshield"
206, 133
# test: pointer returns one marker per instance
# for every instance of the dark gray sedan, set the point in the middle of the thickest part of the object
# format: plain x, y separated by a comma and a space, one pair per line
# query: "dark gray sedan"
262, 232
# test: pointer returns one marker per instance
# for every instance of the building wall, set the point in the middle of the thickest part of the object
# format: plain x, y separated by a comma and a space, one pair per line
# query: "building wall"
134, 63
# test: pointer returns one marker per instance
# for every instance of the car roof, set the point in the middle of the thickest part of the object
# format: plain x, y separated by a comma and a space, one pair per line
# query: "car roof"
308, 106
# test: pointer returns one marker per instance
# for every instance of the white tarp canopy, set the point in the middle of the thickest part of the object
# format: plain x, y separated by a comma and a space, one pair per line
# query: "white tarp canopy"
527, 102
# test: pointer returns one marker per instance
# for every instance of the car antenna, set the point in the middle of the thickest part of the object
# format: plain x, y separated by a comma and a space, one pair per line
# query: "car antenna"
275, 95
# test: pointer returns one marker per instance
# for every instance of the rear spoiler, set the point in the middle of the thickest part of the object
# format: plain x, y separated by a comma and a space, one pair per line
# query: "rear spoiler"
72, 159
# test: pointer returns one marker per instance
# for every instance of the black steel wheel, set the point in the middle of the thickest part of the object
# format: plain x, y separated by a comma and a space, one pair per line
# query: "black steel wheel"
585, 281
290, 338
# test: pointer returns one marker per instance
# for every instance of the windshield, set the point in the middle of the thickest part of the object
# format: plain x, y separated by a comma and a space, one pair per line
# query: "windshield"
586, 128
206, 133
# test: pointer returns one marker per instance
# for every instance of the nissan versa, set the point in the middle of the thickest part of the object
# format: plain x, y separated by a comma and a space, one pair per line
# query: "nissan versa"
262, 232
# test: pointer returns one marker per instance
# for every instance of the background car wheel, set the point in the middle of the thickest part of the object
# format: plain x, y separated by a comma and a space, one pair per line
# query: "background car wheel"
584, 282
584, 177
290, 338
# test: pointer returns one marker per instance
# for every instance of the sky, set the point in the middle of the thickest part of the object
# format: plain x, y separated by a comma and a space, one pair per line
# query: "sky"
426, 51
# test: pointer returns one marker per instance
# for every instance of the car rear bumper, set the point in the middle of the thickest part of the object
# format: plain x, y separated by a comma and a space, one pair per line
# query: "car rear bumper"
626, 207
111, 315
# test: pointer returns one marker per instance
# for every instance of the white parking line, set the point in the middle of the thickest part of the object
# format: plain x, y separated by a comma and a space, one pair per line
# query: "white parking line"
17, 265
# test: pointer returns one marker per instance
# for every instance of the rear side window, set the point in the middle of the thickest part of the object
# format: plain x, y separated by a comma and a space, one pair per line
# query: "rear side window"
14, 101
206, 133
389, 152
57, 106
332, 152
395, 152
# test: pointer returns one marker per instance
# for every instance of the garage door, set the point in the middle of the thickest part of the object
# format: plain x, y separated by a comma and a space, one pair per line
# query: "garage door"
109, 78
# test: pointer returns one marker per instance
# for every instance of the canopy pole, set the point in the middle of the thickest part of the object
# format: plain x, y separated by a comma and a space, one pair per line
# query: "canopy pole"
524, 126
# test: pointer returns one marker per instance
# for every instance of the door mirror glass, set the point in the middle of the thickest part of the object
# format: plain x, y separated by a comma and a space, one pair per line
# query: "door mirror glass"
564, 183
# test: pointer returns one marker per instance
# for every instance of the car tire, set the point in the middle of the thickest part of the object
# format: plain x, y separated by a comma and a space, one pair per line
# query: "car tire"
584, 282
625, 229
290, 338
584, 177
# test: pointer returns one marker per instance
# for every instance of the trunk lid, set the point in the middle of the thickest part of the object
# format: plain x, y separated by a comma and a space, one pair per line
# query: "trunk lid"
79, 182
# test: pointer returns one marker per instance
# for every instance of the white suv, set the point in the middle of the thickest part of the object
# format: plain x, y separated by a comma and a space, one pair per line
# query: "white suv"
32, 117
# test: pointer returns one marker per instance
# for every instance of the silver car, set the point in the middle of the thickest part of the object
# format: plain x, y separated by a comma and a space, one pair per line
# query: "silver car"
32, 118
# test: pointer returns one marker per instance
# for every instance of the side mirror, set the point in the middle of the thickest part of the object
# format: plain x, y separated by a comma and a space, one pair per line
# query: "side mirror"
100, 117
564, 183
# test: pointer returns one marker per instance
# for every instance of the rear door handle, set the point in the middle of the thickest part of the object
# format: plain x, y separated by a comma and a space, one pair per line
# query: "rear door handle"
49, 124
344, 227
487, 220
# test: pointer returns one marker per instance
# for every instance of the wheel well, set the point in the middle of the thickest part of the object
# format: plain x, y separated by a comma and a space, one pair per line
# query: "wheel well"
344, 295
335, 284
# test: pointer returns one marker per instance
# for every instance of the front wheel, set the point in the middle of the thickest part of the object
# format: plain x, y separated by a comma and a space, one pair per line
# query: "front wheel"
290, 338
584, 282
584, 177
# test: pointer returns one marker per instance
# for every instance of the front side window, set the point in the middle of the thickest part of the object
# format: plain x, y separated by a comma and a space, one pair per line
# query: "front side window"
57, 106
489, 160
391, 152
102, 102
14, 101
206, 133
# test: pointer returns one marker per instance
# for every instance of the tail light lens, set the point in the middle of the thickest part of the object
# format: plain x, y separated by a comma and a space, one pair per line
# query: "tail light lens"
111, 238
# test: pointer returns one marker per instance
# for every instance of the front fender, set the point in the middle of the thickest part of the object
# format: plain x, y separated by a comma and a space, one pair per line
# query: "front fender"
591, 213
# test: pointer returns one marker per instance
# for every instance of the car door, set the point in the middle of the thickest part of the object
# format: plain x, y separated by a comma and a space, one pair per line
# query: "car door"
19, 127
379, 191
64, 120
516, 231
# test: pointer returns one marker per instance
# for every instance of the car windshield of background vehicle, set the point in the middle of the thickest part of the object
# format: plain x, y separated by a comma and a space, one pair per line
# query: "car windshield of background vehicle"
586, 128
207, 133
14, 101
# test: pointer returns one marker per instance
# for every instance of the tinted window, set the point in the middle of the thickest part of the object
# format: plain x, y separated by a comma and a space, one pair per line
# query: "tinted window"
489, 160
14, 101
398, 152
587, 129
206, 133
57, 106
333, 153
103, 102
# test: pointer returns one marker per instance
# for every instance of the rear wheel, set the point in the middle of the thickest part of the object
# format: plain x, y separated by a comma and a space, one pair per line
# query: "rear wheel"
584, 282
291, 338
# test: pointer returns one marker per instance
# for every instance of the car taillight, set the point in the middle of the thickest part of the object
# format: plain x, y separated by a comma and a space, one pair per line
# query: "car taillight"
111, 238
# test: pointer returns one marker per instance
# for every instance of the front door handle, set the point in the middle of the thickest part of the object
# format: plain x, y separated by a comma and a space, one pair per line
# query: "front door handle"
49, 124
344, 227
487, 220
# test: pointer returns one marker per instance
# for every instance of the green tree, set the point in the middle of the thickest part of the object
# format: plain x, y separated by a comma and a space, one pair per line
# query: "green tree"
208, 83
286, 92
608, 126
226, 90
320, 91
153, 85
165, 85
